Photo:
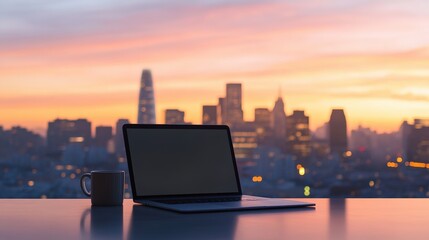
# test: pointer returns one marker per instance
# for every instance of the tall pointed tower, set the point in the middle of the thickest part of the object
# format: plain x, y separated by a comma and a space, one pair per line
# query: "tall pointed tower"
279, 118
146, 110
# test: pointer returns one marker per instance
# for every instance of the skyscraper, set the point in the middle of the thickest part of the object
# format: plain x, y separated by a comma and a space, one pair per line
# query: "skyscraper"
103, 134
262, 118
298, 134
174, 116
338, 132
62, 132
244, 139
119, 138
210, 114
279, 119
361, 139
221, 114
417, 141
146, 110
405, 131
263, 125
234, 111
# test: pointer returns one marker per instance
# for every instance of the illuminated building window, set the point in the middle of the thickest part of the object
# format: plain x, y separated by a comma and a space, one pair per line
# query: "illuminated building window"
76, 139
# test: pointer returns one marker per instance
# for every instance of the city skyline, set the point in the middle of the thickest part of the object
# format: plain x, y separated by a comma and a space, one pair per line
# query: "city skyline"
162, 120
324, 55
275, 152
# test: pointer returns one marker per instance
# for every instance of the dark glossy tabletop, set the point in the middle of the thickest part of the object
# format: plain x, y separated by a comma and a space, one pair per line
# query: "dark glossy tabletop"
330, 219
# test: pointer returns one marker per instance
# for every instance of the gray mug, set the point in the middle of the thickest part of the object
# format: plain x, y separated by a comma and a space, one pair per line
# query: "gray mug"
107, 187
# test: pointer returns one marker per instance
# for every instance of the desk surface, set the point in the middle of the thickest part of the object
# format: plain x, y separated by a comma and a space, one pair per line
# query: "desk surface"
330, 219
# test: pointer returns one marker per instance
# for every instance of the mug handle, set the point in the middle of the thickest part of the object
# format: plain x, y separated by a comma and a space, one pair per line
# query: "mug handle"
82, 184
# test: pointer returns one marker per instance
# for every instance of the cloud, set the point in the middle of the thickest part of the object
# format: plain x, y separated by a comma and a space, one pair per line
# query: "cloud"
90, 54
380, 94
87, 100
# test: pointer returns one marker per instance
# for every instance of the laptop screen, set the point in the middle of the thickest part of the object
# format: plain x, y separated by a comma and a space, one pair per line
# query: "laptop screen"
181, 161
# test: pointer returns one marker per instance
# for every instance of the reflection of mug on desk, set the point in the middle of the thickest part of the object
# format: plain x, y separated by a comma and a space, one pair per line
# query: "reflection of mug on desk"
107, 187
105, 223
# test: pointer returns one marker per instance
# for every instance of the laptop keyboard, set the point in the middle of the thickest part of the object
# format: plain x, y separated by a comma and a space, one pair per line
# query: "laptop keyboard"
207, 200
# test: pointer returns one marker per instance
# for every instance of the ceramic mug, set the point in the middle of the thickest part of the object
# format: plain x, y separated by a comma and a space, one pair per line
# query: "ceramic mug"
107, 187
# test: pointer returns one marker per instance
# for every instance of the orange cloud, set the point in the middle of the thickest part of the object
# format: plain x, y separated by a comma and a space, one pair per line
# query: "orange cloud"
367, 58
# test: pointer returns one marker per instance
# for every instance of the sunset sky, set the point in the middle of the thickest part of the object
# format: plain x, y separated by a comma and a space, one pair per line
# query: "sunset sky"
83, 59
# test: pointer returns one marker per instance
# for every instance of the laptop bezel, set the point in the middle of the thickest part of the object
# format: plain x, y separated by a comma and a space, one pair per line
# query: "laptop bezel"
136, 198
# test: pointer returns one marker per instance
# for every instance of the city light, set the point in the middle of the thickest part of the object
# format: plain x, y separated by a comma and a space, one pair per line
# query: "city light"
257, 179
418, 165
30, 183
392, 164
348, 154
301, 171
399, 159
371, 183
59, 167
306, 191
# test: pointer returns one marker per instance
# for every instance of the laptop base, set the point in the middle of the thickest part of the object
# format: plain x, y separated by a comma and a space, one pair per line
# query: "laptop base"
256, 203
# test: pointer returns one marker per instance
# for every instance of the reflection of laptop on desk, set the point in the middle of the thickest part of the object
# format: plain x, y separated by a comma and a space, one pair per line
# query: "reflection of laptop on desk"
188, 168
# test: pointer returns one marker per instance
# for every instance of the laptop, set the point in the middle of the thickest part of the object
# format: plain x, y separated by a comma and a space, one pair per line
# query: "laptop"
189, 168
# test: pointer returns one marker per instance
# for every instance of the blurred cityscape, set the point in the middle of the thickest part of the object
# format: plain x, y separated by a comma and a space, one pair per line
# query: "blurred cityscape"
277, 154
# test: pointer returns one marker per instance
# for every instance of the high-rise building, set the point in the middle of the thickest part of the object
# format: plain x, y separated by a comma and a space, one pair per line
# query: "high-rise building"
262, 118
338, 132
244, 139
146, 110
361, 139
221, 113
263, 125
62, 132
174, 116
298, 134
210, 114
417, 142
234, 111
103, 134
404, 132
119, 138
279, 120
